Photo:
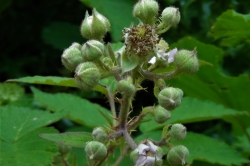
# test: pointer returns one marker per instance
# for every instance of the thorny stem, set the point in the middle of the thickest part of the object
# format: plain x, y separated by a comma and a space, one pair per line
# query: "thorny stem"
129, 139
115, 135
114, 72
155, 76
163, 141
112, 104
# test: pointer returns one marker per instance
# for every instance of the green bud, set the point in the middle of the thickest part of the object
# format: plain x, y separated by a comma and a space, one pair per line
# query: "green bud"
71, 57
186, 61
99, 134
76, 45
126, 88
92, 50
161, 114
177, 155
64, 149
170, 98
178, 131
94, 27
96, 150
171, 16
87, 75
108, 62
146, 11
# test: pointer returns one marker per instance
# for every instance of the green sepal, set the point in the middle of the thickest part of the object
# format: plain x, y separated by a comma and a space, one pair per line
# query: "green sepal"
129, 63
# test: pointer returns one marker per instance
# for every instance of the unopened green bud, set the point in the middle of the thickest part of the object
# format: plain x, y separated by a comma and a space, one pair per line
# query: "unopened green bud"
170, 98
146, 11
177, 155
64, 149
96, 150
126, 88
171, 16
99, 134
76, 45
92, 50
95, 26
71, 57
178, 131
161, 114
186, 61
87, 75
108, 62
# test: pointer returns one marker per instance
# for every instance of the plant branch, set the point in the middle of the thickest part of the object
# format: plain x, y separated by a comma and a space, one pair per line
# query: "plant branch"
112, 105
155, 76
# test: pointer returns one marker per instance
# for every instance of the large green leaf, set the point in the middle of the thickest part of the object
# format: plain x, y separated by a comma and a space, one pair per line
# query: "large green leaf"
10, 92
192, 110
75, 139
119, 13
19, 121
204, 148
56, 81
232, 28
79, 110
61, 34
20, 143
29, 150
209, 83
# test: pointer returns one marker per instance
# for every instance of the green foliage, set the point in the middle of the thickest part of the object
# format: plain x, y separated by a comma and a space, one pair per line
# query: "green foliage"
193, 110
74, 139
20, 128
129, 62
61, 34
204, 148
232, 28
10, 92
114, 10
78, 110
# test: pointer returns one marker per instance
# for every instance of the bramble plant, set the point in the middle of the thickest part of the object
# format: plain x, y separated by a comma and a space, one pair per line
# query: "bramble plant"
153, 135
143, 52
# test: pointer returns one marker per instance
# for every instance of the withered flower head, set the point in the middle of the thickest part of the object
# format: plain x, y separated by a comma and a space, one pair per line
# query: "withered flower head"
140, 40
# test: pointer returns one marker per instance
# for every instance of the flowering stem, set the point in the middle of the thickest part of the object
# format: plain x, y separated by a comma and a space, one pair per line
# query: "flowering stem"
114, 72
155, 76
112, 104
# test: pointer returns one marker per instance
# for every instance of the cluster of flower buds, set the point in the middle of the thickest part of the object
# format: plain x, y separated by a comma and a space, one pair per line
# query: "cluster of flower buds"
147, 154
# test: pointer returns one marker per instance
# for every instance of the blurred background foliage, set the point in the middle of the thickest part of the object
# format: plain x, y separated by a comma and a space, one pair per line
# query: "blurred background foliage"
34, 33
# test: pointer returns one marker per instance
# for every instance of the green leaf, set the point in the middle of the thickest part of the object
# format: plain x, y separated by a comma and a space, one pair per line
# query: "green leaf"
204, 148
129, 62
110, 82
75, 139
119, 13
56, 81
61, 34
79, 110
232, 28
10, 92
29, 150
192, 110
18, 121
47, 80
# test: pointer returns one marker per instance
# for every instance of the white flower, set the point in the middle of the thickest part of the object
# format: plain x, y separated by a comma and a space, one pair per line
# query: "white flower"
147, 154
169, 56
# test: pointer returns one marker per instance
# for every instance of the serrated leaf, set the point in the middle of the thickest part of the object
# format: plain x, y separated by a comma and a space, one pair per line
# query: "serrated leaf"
61, 34
10, 92
204, 148
232, 28
55, 81
119, 13
193, 110
18, 121
79, 110
75, 139
28, 150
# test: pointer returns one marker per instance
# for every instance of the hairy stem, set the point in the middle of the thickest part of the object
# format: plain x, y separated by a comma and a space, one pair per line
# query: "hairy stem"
155, 76
112, 105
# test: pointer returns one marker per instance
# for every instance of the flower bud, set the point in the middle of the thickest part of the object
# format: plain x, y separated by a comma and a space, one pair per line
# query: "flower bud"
186, 61
99, 134
171, 16
126, 88
146, 11
108, 61
76, 45
161, 114
95, 26
96, 150
92, 50
170, 98
64, 149
178, 131
87, 75
177, 155
71, 57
